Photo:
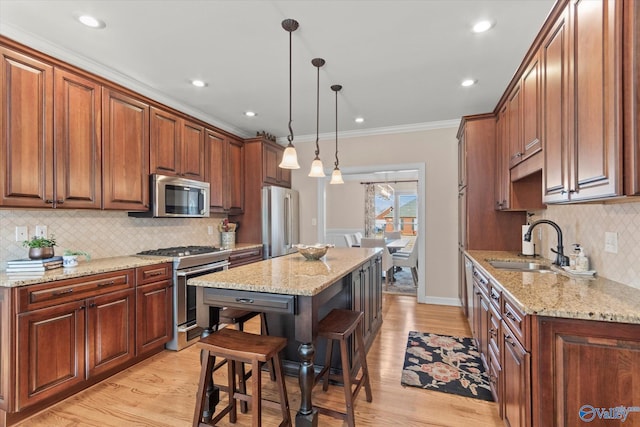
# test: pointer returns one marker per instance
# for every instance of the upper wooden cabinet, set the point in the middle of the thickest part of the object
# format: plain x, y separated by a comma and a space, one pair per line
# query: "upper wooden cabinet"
582, 69
531, 109
514, 121
271, 172
502, 177
631, 97
27, 131
125, 152
177, 146
225, 172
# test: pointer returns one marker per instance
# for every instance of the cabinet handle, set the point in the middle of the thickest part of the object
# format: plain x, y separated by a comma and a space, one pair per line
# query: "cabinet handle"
563, 191
49, 201
510, 316
495, 297
82, 307
493, 332
510, 340
572, 191
60, 201
244, 300
66, 291
100, 285
153, 273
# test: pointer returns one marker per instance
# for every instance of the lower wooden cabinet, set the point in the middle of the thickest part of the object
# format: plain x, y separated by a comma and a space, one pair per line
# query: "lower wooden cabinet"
516, 375
154, 308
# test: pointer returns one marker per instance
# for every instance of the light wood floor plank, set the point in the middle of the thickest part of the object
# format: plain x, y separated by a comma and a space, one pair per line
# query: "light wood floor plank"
160, 391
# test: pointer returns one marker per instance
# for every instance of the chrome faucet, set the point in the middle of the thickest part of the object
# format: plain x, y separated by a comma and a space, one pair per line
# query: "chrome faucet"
561, 259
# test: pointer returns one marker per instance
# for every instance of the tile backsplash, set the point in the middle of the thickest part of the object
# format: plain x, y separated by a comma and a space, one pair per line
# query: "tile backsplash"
103, 233
586, 224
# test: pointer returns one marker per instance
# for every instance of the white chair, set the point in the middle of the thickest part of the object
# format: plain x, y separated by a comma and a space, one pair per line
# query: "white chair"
387, 261
349, 240
392, 235
357, 237
408, 257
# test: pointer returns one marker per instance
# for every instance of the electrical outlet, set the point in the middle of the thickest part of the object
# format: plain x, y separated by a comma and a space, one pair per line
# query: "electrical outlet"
611, 242
22, 233
41, 231
210, 230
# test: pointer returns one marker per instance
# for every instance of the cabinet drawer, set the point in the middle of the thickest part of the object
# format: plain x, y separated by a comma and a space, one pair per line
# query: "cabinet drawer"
494, 332
245, 256
246, 300
481, 280
53, 293
517, 322
153, 273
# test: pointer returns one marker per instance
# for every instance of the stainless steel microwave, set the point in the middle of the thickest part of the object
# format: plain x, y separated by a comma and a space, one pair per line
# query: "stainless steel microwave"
174, 197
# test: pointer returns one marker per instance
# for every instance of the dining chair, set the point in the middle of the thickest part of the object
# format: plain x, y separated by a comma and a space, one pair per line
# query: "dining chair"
392, 235
349, 240
408, 257
357, 237
387, 261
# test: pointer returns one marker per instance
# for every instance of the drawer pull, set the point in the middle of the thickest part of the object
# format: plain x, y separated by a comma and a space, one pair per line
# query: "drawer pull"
495, 297
244, 300
66, 291
154, 273
511, 316
510, 340
492, 332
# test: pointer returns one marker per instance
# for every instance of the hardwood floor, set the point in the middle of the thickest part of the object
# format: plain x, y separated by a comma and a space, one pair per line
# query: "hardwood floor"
161, 390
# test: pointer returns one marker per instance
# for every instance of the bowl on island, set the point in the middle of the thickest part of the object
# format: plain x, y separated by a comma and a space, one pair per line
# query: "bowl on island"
313, 252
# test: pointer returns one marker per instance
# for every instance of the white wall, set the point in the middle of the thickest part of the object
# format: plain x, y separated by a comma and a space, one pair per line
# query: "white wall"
345, 206
437, 150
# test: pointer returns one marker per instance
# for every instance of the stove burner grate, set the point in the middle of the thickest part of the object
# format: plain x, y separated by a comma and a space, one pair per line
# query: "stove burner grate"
181, 251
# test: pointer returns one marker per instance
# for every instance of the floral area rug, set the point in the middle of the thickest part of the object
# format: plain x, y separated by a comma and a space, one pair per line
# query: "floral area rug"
446, 364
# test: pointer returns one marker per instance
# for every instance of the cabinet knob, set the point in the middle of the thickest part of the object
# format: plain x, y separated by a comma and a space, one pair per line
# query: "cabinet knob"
49, 201
60, 201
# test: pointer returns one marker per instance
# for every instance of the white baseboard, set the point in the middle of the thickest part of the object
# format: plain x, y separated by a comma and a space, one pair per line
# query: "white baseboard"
455, 302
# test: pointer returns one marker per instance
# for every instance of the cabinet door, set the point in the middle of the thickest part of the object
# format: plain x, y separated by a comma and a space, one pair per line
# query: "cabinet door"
503, 182
597, 98
531, 109
192, 151
126, 152
514, 111
555, 122
516, 374
216, 159
235, 176
110, 331
462, 162
51, 352
154, 308
270, 161
78, 142
165, 142
26, 163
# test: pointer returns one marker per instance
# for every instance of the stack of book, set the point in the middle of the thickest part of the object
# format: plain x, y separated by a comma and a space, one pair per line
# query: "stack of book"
33, 266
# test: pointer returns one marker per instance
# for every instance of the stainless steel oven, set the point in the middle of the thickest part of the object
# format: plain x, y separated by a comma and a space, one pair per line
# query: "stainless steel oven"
189, 262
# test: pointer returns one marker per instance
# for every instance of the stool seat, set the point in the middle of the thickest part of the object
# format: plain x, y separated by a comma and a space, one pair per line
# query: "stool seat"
241, 347
339, 325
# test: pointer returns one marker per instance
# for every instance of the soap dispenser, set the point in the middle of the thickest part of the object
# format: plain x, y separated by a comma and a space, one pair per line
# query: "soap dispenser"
573, 256
582, 261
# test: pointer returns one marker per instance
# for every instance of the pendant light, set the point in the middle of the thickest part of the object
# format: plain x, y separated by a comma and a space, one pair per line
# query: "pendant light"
317, 170
290, 158
336, 176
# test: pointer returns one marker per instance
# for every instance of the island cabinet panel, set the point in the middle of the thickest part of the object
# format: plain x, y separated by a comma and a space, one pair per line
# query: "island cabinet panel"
572, 374
366, 296
51, 351
26, 173
126, 152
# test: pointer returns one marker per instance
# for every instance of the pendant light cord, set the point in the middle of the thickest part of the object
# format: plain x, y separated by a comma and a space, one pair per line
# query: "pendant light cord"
337, 161
318, 111
290, 137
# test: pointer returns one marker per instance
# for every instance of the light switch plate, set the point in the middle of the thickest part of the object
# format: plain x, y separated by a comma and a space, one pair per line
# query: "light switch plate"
611, 242
41, 231
21, 233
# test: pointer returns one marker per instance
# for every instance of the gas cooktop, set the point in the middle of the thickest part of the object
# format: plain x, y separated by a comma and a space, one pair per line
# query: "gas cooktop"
181, 251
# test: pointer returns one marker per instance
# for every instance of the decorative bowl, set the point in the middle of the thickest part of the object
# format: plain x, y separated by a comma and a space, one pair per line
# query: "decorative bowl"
313, 252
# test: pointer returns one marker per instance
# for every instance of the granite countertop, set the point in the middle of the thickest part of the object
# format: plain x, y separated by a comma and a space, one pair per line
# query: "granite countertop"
85, 268
290, 274
561, 295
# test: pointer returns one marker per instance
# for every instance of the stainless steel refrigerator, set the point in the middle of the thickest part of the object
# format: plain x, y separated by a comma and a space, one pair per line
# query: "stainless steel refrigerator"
280, 222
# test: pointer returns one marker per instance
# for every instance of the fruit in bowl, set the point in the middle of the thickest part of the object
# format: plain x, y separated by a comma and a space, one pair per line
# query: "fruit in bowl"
313, 252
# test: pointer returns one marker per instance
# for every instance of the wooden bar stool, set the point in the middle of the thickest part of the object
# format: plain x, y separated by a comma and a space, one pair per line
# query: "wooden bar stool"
339, 325
242, 347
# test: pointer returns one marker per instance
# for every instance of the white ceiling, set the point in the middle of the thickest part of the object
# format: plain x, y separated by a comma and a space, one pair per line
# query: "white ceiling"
400, 62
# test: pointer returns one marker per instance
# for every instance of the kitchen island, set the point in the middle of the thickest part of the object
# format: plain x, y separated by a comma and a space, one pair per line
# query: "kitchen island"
301, 293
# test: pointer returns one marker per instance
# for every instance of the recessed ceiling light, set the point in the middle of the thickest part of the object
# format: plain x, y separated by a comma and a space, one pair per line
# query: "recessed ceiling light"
482, 26
90, 21
468, 82
198, 83
359, 119
250, 113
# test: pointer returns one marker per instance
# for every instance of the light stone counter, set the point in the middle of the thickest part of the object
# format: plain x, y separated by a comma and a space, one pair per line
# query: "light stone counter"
560, 295
85, 268
290, 274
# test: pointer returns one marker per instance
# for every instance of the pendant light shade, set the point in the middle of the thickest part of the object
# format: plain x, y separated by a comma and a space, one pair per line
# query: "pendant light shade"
290, 157
317, 169
336, 176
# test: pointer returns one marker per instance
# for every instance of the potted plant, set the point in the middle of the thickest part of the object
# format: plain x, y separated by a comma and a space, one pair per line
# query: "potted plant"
70, 257
40, 247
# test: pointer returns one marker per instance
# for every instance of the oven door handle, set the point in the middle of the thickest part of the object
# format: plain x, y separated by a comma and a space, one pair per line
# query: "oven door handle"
187, 328
201, 270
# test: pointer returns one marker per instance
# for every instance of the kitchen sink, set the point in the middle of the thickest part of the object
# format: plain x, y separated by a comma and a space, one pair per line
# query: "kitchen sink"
522, 266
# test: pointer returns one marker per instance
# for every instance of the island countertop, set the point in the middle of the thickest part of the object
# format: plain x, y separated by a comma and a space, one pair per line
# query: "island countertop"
559, 295
291, 274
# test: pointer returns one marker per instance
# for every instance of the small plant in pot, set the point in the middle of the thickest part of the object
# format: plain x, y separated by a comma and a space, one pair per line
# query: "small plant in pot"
40, 247
70, 257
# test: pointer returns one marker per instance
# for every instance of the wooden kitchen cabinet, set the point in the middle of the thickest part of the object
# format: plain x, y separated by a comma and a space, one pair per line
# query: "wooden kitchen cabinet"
125, 152
531, 128
176, 146
514, 122
271, 157
27, 130
154, 307
516, 375
225, 172
502, 176
583, 93
366, 296
631, 97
